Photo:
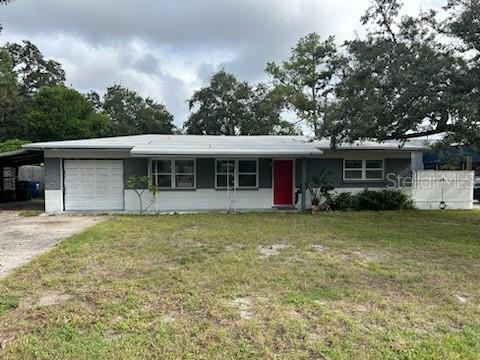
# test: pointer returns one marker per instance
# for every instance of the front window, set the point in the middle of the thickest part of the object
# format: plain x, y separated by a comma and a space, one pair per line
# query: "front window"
373, 169
236, 173
225, 173
363, 169
173, 174
184, 173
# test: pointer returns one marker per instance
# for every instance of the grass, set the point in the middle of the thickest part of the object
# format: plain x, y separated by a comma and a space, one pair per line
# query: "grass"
7, 302
310, 296
344, 286
29, 213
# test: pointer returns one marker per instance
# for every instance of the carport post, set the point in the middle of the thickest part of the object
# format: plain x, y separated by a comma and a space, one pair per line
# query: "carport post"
469, 163
16, 183
304, 184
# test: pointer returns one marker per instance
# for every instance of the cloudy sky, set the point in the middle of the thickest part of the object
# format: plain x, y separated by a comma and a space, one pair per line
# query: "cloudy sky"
166, 49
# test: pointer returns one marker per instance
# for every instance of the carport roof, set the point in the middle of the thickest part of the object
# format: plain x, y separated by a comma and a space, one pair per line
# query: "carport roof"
153, 144
21, 157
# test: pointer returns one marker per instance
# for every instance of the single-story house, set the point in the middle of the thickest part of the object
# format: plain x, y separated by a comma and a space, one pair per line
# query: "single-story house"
213, 172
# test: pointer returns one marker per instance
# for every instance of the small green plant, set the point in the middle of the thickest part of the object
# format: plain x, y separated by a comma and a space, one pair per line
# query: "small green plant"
310, 296
141, 184
7, 302
29, 213
319, 189
67, 333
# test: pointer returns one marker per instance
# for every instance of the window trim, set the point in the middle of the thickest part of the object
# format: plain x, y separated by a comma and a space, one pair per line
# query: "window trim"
363, 170
236, 175
173, 173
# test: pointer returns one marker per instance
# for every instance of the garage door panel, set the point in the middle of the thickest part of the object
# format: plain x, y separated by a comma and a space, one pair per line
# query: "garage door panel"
94, 185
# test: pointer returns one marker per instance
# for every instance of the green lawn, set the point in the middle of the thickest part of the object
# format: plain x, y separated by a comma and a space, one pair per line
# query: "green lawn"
211, 286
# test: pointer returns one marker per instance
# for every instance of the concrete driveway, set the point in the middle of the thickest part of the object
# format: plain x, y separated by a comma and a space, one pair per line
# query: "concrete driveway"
22, 238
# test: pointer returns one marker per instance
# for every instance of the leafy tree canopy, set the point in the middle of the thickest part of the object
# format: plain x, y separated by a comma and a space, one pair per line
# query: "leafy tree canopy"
11, 120
12, 145
130, 114
32, 69
404, 80
61, 113
306, 80
231, 107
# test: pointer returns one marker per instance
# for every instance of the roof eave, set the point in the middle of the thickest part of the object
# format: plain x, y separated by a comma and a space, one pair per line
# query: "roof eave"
82, 147
226, 154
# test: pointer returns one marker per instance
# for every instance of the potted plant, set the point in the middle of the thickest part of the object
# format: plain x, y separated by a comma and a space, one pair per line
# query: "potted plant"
315, 202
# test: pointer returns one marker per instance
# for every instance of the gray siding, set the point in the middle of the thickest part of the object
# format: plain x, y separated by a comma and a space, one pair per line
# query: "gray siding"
334, 168
265, 173
396, 170
134, 167
298, 173
53, 176
205, 173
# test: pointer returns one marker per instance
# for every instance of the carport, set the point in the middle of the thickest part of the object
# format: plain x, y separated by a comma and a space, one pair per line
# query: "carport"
9, 165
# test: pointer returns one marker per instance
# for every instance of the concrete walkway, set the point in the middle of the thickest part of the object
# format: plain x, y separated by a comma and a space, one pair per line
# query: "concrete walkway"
22, 238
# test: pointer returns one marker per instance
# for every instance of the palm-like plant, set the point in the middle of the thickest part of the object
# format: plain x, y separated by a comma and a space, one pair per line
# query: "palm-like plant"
319, 189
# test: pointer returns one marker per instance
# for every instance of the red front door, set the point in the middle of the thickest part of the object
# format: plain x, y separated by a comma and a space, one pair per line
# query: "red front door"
283, 182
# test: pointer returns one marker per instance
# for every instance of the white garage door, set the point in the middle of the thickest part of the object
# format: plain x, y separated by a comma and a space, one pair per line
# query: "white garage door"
94, 185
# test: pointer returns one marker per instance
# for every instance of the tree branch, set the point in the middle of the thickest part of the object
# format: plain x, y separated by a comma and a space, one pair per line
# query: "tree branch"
419, 134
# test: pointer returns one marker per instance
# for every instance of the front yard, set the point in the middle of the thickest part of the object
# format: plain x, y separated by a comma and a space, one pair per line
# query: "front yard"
336, 286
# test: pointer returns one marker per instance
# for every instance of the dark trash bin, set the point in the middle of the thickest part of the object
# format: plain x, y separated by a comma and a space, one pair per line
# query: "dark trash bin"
24, 191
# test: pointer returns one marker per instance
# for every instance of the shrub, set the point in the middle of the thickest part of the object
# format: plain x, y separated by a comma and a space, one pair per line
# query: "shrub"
396, 200
373, 200
383, 200
344, 201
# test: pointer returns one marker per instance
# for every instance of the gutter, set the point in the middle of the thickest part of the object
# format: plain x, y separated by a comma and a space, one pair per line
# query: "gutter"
87, 147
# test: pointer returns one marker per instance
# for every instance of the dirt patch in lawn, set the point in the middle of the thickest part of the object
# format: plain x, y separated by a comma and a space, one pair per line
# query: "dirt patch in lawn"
462, 299
271, 250
368, 256
53, 299
44, 299
169, 318
319, 248
244, 305
234, 247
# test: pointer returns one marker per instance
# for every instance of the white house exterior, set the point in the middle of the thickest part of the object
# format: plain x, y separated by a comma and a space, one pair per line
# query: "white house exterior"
197, 173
